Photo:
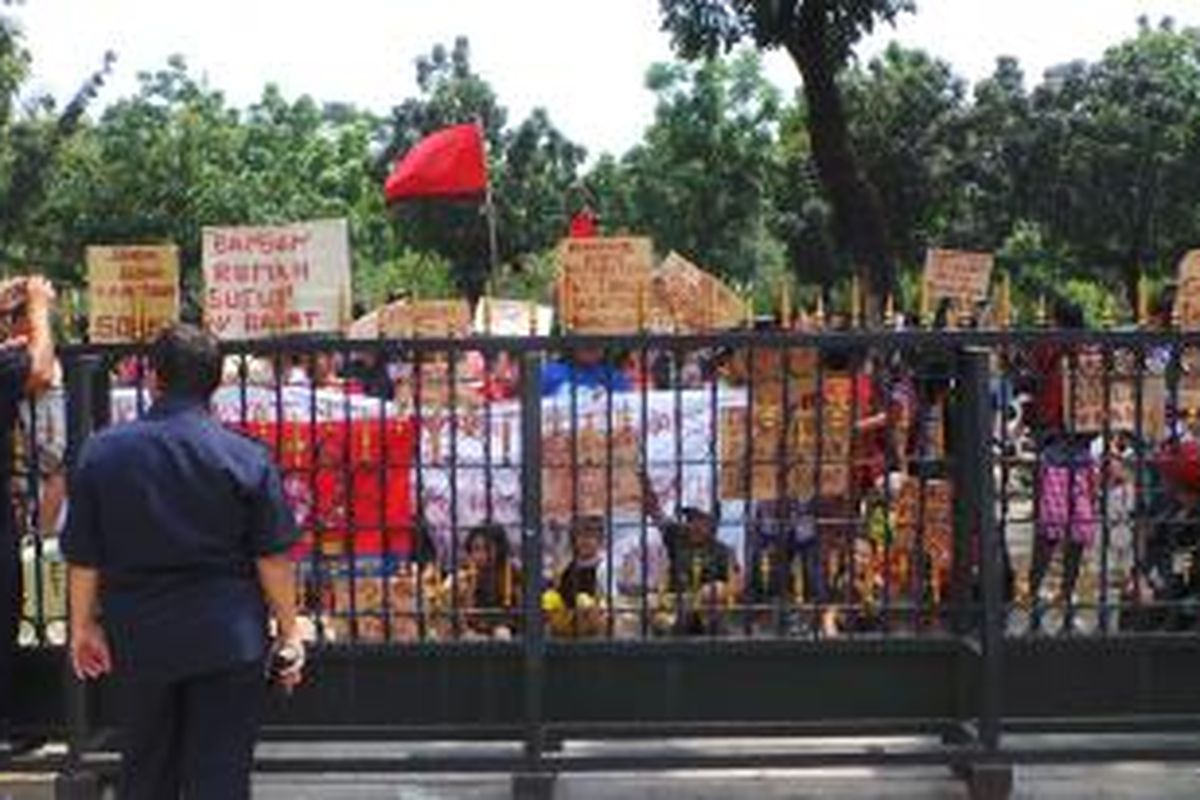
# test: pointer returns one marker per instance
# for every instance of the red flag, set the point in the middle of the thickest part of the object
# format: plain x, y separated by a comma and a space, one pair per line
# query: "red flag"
583, 225
447, 162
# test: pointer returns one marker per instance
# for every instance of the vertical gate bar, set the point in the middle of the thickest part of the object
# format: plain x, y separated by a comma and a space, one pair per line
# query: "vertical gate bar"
531, 556
980, 491
80, 375
989, 778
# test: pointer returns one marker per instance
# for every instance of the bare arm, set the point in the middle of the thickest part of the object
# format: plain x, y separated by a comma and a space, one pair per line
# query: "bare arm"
90, 655
277, 581
83, 586
41, 340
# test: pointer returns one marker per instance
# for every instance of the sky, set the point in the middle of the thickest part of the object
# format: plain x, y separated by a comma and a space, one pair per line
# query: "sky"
582, 60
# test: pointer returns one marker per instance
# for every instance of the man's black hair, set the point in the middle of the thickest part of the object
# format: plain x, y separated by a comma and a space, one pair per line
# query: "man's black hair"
1067, 313
187, 361
1164, 304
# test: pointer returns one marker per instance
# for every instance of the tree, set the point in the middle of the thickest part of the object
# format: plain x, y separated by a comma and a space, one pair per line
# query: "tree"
174, 157
819, 36
30, 143
993, 169
905, 116
700, 181
1118, 143
802, 213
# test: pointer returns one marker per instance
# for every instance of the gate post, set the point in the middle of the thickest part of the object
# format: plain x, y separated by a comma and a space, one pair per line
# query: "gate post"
83, 378
989, 778
534, 782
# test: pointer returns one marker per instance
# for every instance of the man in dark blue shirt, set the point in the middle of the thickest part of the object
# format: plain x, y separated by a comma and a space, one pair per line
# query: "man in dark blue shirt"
26, 368
176, 533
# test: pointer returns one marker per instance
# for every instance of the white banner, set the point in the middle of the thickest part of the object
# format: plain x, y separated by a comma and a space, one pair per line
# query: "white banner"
267, 281
680, 440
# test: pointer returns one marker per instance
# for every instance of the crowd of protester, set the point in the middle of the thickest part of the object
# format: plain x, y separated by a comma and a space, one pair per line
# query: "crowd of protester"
1120, 506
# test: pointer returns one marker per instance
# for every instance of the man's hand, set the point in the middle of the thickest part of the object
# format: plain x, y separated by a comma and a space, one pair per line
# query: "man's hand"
90, 657
40, 293
287, 661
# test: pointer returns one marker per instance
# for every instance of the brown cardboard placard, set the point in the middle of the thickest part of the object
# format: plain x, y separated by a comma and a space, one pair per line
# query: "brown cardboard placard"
576, 469
133, 291
604, 284
960, 275
696, 300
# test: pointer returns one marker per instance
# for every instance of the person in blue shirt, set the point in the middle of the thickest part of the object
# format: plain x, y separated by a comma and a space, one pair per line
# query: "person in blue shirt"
584, 369
26, 369
176, 545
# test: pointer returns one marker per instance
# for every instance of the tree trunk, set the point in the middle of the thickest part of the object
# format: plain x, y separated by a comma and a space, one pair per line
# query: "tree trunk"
859, 224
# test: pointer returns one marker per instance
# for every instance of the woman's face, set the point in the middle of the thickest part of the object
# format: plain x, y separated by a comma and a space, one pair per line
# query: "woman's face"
587, 543
480, 552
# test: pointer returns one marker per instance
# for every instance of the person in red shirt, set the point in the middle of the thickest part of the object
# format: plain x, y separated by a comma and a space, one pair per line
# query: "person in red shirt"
1067, 481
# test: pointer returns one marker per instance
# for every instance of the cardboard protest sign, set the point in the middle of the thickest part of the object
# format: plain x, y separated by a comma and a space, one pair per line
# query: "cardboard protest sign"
499, 317
133, 291
279, 279
695, 299
1187, 388
414, 319
577, 464
1091, 406
769, 368
1083, 391
758, 460
426, 319
959, 275
928, 519
777, 453
604, 284
835, 427
1187, 299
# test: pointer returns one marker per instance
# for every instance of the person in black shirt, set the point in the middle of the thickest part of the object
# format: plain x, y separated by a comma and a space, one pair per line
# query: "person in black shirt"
176, 544
581, 584
26, 369
702, 573
579, 576
489, 584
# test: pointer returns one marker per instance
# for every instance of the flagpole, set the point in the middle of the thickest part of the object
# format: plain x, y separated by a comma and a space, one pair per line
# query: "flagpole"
493, 248
489, 205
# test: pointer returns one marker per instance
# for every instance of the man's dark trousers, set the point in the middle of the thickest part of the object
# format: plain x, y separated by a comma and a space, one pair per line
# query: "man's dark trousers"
193, 736
10, 607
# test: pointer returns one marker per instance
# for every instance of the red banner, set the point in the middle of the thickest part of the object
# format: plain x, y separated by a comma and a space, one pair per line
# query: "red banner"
349, 483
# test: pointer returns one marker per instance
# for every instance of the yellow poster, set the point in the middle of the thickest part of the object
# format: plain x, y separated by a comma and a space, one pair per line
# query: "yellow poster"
133, 291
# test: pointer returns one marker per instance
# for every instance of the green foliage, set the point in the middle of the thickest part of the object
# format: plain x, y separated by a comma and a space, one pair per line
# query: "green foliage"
530, 277
705, 27
1120, 146
174, 157
1080, 183
31, 143
819, 36
412, 274
905, 114
700, 183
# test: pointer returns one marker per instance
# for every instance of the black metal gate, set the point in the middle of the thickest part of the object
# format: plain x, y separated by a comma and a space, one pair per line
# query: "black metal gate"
898, 610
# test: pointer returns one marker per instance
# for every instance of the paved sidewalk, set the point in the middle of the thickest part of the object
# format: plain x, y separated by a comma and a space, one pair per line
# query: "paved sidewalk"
1110, 782
1133, 781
